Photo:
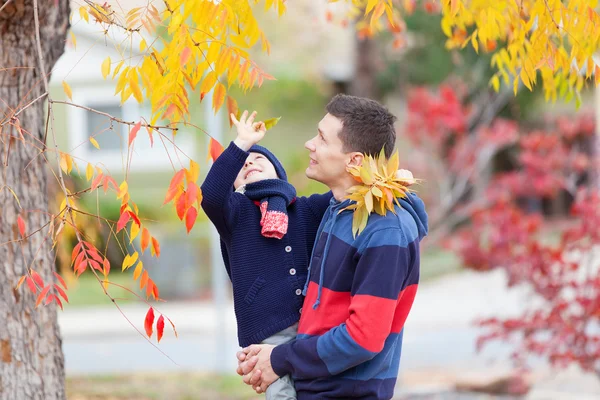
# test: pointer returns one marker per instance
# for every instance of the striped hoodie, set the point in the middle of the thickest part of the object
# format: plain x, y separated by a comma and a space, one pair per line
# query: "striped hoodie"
358, 295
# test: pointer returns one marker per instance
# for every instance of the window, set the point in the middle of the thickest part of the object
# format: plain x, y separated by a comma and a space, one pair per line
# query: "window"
112, 138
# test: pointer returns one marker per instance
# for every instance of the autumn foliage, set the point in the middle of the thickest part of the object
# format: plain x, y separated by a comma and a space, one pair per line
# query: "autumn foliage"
505, 226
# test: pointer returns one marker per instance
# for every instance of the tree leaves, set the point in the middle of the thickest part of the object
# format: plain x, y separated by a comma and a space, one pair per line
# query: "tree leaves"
21, 225
67, 90
380, 186
106, 68
149, 321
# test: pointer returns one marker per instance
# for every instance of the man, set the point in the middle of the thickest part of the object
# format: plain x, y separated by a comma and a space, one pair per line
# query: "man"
360, 290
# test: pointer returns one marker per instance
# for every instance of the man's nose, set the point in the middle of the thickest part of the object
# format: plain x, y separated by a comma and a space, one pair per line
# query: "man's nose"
309, 145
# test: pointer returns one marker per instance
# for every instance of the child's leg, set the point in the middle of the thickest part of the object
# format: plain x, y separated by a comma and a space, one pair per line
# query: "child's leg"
282, 388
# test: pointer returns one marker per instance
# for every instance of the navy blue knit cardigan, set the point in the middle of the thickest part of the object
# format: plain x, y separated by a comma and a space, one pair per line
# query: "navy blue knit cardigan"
267, 274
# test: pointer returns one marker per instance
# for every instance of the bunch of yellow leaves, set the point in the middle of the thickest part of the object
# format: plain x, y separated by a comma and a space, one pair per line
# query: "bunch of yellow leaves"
381, 185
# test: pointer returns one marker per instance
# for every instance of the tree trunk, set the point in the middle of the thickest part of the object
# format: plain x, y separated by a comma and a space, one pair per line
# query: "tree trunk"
364, 83
31, 359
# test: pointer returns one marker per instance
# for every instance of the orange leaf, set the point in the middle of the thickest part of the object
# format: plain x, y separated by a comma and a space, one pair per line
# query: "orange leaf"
192, 193
218, 96
190, 218
214, 149
94, 254
173, 187
155, 292
106, 265
21, 224
145, 239
30, 284
37, 278
144, 280
134, 132
180, 206
95, 265
42, 295
185, 56
138, 271
81, 267
61, 292
96, 181
149, 286
61, 280
160, 327
173, 325
20, 282
75, 251
123, 221
156, 246
148, 321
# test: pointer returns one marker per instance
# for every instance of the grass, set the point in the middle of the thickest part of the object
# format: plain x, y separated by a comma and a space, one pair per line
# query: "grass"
172, 386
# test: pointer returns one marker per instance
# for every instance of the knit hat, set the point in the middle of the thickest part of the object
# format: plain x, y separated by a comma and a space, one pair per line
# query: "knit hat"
271, 157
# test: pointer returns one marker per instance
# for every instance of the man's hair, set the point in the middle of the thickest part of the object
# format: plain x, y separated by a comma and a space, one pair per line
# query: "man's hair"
367, 125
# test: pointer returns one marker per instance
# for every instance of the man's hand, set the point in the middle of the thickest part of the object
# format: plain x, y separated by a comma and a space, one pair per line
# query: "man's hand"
249, 132
255, 367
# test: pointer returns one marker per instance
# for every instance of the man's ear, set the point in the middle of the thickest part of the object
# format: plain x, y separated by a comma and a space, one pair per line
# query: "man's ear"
355, 159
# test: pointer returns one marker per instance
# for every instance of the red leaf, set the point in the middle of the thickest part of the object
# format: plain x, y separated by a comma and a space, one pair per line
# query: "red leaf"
42, 295
214, 149
135, 218
37, 278
190, 218
133, 132
145, 239
81, 267
123, 221
160, 327
78, 260
96, 181
95, 265
180, 206
31, 285
75, 251
49, 299
61, 280
58, 302
105, 184
21, 224
61, 292
94, 254
156, 246
106, 265
148, 321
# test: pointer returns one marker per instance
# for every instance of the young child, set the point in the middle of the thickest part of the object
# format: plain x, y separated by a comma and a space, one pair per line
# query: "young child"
267, 235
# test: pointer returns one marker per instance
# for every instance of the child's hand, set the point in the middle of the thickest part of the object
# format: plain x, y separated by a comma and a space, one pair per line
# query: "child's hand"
249, 132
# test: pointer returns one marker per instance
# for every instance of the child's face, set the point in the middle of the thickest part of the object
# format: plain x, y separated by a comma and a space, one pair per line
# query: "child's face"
256, 168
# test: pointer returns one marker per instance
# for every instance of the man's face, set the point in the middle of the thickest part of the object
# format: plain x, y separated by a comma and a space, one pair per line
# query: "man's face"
256, 168
327, 159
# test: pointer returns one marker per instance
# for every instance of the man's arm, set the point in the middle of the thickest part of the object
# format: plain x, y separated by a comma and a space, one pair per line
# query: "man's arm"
385, 276
318, 204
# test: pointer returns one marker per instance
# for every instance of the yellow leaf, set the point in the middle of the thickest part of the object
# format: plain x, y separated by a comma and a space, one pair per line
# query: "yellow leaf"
271, 122
84, 14
106, 67
135, 87
218, 96
129, 260
194, 172
89, 172
495, 82
393, 163
105, 283
370, 5
137, 271
63, 163
365, 175
208, 82
135, 230
67, 90
74, 40
118, 68
369, 201
123, 187
94, 143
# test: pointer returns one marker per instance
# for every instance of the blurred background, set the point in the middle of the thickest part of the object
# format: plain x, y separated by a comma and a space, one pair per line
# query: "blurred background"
507, 182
